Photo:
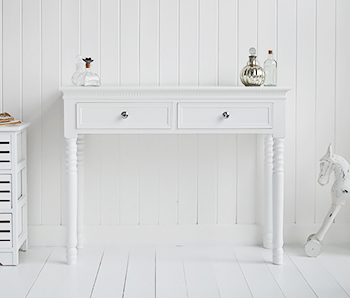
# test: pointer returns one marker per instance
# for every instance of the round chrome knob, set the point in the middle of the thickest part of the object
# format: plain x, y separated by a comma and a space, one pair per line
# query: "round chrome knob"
225, 115
124, 114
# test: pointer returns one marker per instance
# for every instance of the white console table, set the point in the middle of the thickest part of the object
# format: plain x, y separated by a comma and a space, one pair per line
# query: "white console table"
176, 110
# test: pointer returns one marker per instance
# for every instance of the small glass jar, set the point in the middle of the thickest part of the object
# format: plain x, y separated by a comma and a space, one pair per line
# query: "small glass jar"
88, 78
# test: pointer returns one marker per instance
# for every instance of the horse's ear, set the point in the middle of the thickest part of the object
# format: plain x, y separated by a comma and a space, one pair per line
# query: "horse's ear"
330, 151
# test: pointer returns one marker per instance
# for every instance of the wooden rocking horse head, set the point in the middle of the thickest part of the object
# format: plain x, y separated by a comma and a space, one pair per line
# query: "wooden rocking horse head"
327, 164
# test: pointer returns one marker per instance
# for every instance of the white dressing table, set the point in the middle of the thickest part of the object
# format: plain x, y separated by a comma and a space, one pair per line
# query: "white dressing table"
176, 110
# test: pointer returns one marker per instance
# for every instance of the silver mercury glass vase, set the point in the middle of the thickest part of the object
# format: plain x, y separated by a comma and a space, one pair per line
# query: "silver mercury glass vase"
252, 74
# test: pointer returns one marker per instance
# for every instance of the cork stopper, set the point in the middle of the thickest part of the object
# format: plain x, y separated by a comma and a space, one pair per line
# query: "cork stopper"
270, 51
88, 61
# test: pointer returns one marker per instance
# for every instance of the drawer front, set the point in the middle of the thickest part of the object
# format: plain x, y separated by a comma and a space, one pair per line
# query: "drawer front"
5, 191
123, 115
5, 152
5, 230
225, 115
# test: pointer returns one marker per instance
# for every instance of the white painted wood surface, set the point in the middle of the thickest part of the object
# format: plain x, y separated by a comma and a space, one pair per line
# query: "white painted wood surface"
39, 45
252, 110
14, 196
178, 272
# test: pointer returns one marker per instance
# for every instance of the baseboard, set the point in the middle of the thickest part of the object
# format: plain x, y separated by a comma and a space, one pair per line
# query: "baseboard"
181, 234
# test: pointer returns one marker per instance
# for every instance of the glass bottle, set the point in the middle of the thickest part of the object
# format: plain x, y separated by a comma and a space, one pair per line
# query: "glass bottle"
79, 69
88, 78
252, 74
270, 67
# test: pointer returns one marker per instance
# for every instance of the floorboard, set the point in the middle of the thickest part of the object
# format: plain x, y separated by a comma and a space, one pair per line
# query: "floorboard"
229, 276
178, 272
317, 276
58, 280
260, 280
141, 280
337, 262
170, 275
200, 278
16, 281
288, 277
110, 281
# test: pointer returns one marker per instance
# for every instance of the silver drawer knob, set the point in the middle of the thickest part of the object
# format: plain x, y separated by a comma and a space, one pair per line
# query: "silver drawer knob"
124, 114
225, 115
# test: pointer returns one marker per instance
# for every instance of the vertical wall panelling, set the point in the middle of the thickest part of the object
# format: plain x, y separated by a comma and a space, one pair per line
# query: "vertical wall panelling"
110, 42
52, 110
246, 177
129, 49
286, 76
188, 56
110, 178
70, 38
168, 42
325, 96
32, 103
1, 60
129, 179
227, 178
188, 179
168, 179
179, 179
90, 31
305, 124
148, 171
12, 57
227, 42
246, 144
208, 42
149, 42
342, 141
267, 29
207, 179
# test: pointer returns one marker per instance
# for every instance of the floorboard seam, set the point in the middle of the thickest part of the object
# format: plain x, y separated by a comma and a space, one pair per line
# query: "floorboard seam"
240, 268
295, 265
98, 270
39, 273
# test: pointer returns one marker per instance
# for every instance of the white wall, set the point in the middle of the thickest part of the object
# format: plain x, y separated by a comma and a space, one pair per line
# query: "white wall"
177, 180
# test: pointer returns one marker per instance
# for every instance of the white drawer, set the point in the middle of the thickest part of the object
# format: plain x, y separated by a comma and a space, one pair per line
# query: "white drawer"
5, 230
225, 115
123, 115
5, 191
5, 152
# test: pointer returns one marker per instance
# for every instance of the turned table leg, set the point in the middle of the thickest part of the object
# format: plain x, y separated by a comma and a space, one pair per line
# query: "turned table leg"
80, 161
71, 176
278, 200
268, 192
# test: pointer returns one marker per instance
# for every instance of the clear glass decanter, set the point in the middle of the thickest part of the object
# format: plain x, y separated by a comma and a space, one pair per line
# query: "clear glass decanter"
79, 69
270, 67
252, 74
88, 78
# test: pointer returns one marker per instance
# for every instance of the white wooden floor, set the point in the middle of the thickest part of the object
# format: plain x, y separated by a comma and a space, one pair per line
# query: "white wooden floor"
177, 272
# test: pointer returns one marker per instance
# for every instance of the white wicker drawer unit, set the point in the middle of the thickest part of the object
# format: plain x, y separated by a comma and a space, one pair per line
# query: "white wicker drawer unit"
13, 192
176, 110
